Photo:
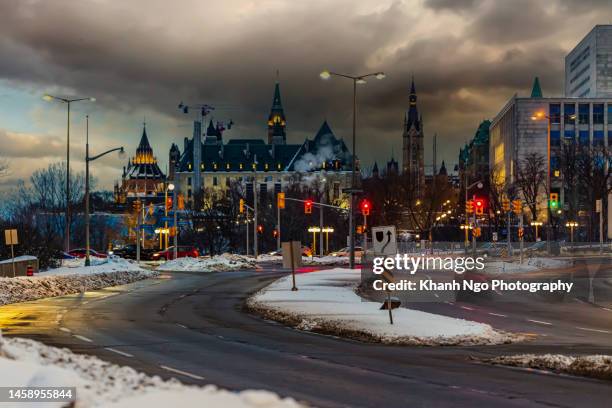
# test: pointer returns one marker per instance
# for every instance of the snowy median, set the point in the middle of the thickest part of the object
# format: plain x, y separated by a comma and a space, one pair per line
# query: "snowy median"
528, 265
326, 302
594, 366
71, 279
219, 263
98, 383
327, 260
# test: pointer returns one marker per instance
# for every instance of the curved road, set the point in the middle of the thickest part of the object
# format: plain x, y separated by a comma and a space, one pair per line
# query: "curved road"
191, 326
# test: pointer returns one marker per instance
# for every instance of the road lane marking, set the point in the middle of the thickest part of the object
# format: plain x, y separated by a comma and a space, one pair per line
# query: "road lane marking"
466, 307
608, 309
497, 314
436, 295
78, 336
594, 330
121, 353
181, 325
181, 372
65, 330
539, 322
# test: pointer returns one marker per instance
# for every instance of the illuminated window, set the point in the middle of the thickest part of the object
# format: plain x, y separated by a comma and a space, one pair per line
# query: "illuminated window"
215, 166
227, 166
266, 166
278, 166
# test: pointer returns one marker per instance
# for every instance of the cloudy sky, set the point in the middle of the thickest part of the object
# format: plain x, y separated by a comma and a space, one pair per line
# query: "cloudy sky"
139, 58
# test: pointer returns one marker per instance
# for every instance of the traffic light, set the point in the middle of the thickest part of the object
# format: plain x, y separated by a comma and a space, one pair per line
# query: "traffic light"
479, 204
168, 203
308, 207
506, 204
280, 200
477, 232
260, 229
274, 233
365, 207
241, 208
181, 202
360, 229
517, 206
469, 206
554, 201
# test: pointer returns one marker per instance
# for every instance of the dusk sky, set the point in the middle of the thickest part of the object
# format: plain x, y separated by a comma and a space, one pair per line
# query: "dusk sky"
140, 58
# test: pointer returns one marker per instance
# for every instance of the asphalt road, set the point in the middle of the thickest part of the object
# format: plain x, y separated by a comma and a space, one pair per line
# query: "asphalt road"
191, 326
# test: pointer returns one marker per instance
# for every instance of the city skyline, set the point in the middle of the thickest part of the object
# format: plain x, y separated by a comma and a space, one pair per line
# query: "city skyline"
139, 66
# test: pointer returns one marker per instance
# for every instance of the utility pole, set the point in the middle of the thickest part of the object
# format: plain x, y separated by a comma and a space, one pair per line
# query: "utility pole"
278, 227
174, 208
255, 240
320, 230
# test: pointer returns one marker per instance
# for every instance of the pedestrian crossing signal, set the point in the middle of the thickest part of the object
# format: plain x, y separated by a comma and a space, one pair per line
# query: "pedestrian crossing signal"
280, 200
308, 207
241, 207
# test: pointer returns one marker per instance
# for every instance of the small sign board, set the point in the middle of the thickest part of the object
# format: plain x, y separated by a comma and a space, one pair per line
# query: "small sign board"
392, 303
296, 247
384, 240
494, 236
10, 237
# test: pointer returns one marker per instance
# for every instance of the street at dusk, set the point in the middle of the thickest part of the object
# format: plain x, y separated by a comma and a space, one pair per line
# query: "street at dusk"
287, 204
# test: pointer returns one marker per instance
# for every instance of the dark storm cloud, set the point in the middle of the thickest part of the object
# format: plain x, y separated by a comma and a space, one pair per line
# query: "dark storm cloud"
152, 54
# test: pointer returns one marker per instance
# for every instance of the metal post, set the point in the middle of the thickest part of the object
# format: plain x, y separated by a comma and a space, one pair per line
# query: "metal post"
509, 236
255, 237
165, 232
87, 243
548, 185
389, 307
601, 235
139, 221
365, 235
13, 259
353, 168
320, 230
246, 223
278, 226
67, 216
474, 236
521, 238
292, 251
174, 208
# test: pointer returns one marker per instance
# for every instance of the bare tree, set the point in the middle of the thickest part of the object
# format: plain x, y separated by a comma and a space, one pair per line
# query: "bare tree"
531, 179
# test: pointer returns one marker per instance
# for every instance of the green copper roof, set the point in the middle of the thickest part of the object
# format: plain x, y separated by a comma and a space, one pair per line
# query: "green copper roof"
536, 91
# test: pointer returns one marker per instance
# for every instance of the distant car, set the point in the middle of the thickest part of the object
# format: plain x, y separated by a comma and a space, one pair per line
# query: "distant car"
183, 252
346, 251
305, 252
81, 252
66, 255
129, 252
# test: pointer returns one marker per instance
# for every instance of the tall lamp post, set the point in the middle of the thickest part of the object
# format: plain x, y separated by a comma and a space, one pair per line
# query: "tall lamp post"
67, 101
360, 79
87, 160
169, 187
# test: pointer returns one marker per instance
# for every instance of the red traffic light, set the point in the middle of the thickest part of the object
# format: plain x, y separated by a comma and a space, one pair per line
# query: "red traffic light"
366, 206
479, 205
260, 229
308, 207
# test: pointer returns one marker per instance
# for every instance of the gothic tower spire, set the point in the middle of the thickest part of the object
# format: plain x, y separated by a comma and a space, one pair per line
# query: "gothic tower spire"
412, 138
276, 120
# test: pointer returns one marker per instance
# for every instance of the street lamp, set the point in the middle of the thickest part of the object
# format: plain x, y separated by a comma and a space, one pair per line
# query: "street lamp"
169, 187
67, 101
87, 160
536, 224
571, 225
360, 79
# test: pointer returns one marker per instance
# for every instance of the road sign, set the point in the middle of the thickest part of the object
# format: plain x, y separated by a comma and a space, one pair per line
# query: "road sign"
384, 240
393, 303
10, 237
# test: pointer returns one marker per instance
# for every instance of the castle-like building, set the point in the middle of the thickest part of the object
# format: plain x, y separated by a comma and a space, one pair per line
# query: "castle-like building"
142, 178
208, 162
413, 162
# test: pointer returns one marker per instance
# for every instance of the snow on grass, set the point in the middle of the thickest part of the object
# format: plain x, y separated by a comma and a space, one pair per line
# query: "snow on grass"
224, 262
68, 280
326, 302
528, 265
99, 383
595, 366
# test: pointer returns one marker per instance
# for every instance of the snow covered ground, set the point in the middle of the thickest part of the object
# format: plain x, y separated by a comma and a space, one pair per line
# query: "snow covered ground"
326, 302
596, 366
528, 265
219, 263
307, 260
71, 279
101, 384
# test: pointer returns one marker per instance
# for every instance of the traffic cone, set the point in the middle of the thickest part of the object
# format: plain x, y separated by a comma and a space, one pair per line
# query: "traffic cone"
30, 271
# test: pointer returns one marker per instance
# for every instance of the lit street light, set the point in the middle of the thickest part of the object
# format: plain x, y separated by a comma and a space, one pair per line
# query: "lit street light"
87, 160
571, 225
67, 101
536, 224
360, 79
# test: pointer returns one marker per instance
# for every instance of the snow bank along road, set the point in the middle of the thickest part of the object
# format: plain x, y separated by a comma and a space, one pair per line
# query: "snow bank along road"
191, 326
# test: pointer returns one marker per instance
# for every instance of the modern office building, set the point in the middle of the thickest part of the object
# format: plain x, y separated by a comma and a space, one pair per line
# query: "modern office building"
514, 134
588, 67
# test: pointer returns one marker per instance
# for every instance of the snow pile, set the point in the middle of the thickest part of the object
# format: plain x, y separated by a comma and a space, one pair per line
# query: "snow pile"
98, 265
596, 366
528, 265
307, 260
219, 263
65, 281
99, 383
326, 302
19, 259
